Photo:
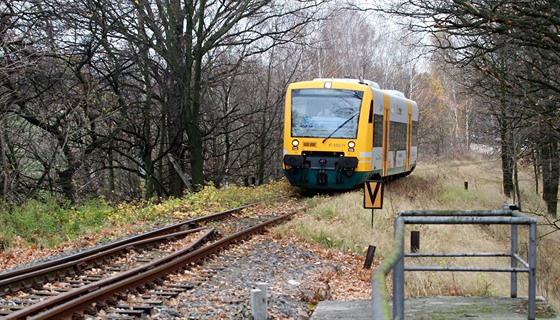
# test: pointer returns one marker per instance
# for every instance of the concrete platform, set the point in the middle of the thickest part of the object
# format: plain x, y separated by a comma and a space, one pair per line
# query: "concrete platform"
440, 308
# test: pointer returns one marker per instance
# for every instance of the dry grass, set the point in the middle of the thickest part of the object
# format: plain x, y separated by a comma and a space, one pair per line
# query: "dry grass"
339, 221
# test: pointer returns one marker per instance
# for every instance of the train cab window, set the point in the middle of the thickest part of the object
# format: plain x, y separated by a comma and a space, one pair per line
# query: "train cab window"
320, 113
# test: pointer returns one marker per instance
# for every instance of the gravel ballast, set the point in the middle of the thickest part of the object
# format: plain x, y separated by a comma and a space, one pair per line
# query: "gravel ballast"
297, 279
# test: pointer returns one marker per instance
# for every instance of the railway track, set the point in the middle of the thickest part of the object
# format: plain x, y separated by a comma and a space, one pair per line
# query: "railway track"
97, 281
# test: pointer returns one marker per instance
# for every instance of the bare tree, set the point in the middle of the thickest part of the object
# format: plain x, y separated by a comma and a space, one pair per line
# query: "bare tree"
183, 39
513, 47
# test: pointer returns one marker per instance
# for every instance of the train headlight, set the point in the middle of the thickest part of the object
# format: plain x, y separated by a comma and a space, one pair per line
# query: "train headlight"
351, 146
295, 144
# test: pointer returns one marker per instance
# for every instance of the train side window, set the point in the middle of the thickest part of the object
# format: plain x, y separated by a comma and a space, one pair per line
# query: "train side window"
397, 136
414, 133
377, 130
370, 119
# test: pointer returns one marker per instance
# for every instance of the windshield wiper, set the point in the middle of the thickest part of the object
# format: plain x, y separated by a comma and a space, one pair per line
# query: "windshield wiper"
340, 126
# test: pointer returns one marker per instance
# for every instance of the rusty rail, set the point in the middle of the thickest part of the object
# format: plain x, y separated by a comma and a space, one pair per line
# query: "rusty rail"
59, 270
151, 234
68, 304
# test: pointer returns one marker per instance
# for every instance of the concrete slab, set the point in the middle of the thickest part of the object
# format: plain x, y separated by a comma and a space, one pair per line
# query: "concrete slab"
440, 308
331, 310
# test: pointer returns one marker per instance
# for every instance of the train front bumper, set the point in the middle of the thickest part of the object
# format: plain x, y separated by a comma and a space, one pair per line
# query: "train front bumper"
323, 171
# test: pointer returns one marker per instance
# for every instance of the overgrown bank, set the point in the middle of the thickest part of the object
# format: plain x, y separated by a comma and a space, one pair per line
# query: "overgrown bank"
47, 223
334, 221
339, 221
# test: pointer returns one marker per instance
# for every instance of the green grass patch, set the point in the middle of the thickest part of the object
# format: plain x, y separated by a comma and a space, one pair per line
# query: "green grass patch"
47, 222
457, 195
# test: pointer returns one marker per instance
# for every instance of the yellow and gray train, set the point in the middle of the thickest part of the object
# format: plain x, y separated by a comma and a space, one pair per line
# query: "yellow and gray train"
339, 133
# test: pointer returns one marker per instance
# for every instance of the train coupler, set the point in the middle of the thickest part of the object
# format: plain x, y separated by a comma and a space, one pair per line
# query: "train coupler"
322, 178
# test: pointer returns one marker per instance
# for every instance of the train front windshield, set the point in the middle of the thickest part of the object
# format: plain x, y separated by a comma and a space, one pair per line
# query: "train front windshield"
322, 113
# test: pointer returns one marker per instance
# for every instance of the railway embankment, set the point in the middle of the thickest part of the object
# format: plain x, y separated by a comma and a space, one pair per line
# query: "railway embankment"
316, 259
341, 222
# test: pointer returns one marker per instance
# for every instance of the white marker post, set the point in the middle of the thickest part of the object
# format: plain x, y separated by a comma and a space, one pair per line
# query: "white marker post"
258, 302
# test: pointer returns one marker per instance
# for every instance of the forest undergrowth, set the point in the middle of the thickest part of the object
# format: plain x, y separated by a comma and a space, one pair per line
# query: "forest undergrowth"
47, 222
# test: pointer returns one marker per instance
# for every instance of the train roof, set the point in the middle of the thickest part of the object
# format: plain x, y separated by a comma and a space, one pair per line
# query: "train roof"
395, 93
370, 83
373, 84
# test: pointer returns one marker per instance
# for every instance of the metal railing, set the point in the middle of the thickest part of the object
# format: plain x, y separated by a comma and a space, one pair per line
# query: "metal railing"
395, 261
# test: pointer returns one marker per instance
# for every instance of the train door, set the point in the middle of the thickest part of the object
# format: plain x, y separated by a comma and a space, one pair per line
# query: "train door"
386, 131
378, 127
408, 135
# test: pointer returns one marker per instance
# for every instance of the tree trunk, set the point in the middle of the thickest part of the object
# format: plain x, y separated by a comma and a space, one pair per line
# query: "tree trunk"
536, 167
507, 159
196, 156
66, 183
149, 168
110, 188
517, 192
4, 165
261, 167
175, 137
551, 172
196, 147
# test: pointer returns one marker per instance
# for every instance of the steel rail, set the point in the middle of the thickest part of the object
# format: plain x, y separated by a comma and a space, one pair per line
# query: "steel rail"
92, 287
68, 304
20, 281
151, 234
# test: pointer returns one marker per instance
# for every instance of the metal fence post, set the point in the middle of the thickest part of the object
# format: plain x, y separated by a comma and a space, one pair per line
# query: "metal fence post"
398, 274
514, 253
395, 261
532, 270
